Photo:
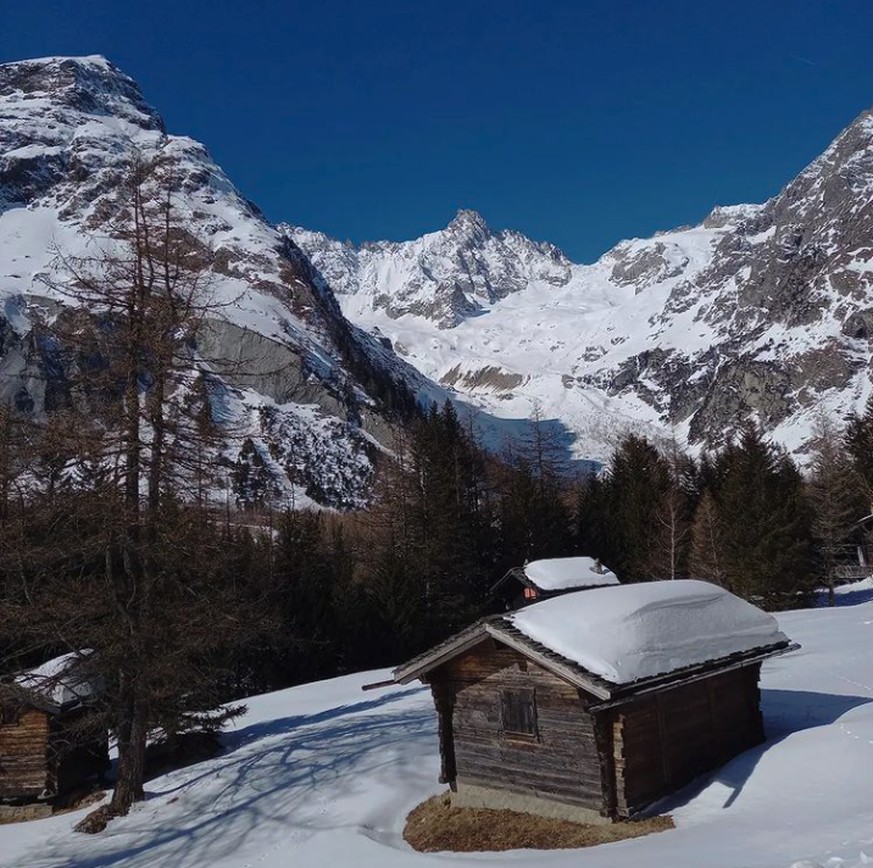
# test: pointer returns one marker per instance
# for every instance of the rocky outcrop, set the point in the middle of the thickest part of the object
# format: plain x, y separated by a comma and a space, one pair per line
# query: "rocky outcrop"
760, 310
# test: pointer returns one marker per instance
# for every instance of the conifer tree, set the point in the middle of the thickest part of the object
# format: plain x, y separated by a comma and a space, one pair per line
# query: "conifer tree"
707, 542
837, 501
766, 523
635, 486
588, 517
859, 443
430, 542
671, 543
535, 519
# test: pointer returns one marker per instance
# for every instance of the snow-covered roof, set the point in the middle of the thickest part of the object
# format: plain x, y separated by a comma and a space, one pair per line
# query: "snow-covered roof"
615, 641
629, 632
561, 574
60, 681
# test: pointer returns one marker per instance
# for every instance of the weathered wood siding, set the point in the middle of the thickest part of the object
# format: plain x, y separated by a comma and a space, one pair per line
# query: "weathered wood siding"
43, 755
562, 762
24, 766
660, 743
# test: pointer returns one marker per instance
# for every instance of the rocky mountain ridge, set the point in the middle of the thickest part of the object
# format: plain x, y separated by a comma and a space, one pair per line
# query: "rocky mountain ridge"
761, 311
306, 391
444, 276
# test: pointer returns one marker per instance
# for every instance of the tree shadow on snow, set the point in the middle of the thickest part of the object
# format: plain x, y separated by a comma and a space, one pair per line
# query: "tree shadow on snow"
854, 597
234, 740
785, 712
281, 777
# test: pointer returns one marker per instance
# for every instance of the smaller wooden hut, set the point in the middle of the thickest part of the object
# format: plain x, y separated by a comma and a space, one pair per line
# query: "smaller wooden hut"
590, 706
47, 748
550, 577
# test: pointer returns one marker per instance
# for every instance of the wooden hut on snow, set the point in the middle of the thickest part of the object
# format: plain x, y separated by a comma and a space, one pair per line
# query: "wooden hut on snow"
592, 705
46, 748
550, 577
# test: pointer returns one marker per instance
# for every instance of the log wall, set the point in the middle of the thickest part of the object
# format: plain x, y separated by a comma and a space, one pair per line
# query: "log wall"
24, 766
660, 743
43, 755
615, 761
563, 760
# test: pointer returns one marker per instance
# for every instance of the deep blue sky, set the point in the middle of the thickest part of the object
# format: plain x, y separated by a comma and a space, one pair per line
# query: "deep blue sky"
578, 122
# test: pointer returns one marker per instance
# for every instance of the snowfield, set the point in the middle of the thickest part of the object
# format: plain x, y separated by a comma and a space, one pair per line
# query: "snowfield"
324, 774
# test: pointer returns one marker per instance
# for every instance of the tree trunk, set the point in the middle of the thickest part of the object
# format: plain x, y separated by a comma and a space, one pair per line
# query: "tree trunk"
133, 729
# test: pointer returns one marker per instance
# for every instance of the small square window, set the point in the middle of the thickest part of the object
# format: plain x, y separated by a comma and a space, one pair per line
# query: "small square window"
519, 713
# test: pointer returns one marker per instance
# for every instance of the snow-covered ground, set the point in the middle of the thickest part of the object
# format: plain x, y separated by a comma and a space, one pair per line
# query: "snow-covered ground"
323, 775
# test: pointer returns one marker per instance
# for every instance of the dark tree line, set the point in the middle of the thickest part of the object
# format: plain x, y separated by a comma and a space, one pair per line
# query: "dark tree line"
743, 517
370, 589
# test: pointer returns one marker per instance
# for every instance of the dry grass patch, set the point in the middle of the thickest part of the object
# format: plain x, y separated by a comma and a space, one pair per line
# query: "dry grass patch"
435, 825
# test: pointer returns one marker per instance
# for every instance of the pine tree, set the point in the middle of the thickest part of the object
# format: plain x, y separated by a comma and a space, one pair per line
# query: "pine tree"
766, 523
707, 541
534, 516
672, 541
636, 485
303, 598
588, 517
859, 443
429, 549
837, 500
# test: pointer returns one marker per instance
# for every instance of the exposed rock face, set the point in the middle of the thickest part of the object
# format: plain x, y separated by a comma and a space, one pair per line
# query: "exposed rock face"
287, 367
761, 310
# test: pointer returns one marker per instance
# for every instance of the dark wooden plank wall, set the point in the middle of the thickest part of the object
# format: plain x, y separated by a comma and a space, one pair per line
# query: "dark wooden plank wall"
24, 766
661, 743
562, 762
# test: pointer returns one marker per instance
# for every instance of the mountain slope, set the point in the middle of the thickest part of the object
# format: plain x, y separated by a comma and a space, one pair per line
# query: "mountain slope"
298, 383
761, 311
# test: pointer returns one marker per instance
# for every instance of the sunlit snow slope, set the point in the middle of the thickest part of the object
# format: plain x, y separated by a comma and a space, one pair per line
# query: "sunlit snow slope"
324, 774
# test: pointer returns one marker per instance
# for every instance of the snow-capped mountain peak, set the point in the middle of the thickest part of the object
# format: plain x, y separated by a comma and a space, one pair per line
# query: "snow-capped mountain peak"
469, 222
444, 277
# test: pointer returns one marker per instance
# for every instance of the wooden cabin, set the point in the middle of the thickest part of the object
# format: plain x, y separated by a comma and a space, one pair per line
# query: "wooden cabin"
550, 577
46, 747
591, 706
